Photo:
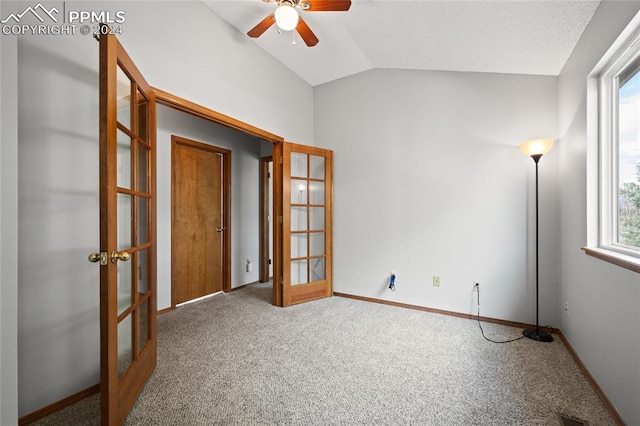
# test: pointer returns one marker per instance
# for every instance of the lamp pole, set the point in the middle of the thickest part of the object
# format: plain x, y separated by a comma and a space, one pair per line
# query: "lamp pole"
536, 334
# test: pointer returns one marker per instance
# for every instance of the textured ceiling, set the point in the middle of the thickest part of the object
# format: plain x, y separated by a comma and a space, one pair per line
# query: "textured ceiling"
503, 36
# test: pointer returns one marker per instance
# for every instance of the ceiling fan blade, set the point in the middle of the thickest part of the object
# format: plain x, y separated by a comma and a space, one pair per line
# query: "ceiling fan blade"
305, 32
262, 26
328, 5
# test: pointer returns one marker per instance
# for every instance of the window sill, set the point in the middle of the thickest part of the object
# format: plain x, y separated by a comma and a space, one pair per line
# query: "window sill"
627, 262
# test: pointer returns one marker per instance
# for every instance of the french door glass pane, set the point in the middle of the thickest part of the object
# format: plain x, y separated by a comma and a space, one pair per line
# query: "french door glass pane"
143, 324
143, 220
299, 272
298, 191
143, 108
124, 286
316, 244
124, 221
317, 269
298, 245
124, 160
123, 99
298, 165
143, 161
317, 167
143, 272
298, 218
125, 345
316, 218
316, 192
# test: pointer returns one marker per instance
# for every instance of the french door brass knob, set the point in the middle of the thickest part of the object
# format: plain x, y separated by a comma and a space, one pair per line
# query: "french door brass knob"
122, 256
98, 257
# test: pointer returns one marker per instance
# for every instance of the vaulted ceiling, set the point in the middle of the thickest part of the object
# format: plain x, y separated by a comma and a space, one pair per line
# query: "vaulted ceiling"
501, 36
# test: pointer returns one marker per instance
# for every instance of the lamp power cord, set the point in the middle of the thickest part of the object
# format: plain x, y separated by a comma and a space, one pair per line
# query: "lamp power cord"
476, 287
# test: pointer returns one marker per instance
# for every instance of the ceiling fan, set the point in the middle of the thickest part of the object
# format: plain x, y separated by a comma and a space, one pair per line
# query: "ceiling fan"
287, 18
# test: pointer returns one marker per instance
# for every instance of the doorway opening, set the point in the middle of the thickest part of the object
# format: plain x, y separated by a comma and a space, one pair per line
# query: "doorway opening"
266, 219
276, 142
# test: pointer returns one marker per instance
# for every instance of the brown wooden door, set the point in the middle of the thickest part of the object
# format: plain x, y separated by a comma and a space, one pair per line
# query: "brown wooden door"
127, 232
307, 240
198, 222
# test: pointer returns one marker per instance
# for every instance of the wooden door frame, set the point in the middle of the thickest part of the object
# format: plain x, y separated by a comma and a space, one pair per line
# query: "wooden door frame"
264, 219
226, 208
180, 104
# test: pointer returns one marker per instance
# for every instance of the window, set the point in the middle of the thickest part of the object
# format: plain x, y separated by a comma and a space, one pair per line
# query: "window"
614, 152
627, 224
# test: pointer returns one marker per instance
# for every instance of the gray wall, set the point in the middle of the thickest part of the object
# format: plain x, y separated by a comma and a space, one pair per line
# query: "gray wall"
604, 299
429, 180
180, 47
58, 328
8, 226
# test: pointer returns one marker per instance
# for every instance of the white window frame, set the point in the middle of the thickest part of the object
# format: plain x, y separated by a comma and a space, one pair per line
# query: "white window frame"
602, 149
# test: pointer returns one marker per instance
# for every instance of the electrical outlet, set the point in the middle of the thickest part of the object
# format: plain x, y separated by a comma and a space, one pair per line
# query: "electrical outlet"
566, 309
436, 281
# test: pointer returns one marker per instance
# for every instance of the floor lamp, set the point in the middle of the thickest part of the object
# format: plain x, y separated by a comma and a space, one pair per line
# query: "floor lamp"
536, 149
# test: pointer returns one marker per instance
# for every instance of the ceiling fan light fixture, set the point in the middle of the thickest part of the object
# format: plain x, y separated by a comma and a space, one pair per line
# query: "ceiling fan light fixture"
286, 17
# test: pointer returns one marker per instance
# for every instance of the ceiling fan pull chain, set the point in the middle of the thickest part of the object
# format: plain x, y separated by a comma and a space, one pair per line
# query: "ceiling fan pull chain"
293, 37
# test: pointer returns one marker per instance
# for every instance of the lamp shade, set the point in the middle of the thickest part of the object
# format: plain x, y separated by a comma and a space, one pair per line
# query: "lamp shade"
286, 17
536, 147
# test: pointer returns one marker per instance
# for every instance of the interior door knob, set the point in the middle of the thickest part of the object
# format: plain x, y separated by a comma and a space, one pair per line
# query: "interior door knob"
98, 257
122, 256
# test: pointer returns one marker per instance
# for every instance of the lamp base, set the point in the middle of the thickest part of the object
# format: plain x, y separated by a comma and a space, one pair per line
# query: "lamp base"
538, 335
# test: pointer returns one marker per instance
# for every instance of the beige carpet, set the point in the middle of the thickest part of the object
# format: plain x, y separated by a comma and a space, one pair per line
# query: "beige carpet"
236, 360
